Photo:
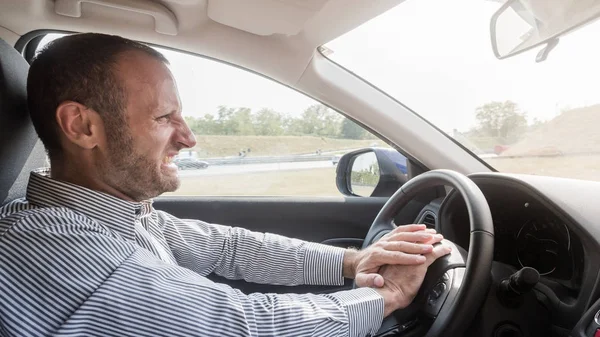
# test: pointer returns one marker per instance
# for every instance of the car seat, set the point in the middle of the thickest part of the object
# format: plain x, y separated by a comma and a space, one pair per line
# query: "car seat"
20, 148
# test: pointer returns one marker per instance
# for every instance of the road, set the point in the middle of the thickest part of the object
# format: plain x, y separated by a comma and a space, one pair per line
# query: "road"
246, 168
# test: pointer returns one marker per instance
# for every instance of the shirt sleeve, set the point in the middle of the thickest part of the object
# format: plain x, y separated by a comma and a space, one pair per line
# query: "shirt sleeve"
76, 280
237, 253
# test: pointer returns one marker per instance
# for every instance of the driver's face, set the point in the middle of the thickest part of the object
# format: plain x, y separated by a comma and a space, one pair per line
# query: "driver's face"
138, 162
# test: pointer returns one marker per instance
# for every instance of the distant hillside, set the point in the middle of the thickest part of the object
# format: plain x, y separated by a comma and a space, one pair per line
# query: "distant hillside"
572, 132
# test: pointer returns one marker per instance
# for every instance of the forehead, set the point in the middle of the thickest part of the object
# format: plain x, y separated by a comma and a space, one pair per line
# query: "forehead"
148, 82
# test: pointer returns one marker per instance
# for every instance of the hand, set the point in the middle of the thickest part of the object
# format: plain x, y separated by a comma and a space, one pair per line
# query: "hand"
404, 245
402, 282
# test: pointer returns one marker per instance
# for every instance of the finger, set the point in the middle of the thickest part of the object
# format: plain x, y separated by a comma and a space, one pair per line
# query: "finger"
420, 237
408, 228
435, 239
369, 280
407, 247
438, 251
384, 257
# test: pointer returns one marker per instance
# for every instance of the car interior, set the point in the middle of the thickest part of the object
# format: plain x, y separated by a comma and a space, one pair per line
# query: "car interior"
527, 252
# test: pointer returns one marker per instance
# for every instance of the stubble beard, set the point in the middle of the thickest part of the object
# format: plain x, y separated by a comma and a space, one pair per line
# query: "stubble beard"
136, 175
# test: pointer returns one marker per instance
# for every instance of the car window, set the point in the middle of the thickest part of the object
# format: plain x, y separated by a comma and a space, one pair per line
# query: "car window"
256, 136
518, 115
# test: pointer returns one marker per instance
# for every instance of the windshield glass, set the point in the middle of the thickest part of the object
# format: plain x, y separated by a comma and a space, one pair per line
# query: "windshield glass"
520, 116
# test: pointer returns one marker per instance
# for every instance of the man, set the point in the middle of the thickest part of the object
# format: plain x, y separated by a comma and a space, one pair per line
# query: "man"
86, 254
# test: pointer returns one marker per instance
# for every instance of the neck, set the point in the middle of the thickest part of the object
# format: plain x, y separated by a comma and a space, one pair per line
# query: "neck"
83, 174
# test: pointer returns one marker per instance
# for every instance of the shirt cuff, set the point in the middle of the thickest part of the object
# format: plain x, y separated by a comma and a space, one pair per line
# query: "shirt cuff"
323, 265
364, 308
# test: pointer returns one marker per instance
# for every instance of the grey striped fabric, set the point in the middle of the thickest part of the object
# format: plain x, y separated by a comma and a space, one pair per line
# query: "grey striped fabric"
76, 262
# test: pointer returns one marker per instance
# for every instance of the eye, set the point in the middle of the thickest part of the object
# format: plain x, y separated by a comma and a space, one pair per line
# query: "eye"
163, 118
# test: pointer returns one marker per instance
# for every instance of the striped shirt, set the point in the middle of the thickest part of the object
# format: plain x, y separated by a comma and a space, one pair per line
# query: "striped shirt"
77, 262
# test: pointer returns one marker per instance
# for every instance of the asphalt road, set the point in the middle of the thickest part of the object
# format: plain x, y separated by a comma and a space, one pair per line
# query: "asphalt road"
246, 168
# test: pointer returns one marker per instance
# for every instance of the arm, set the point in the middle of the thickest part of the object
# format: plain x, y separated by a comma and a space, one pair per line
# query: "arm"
236, 253
152, 298
81, 280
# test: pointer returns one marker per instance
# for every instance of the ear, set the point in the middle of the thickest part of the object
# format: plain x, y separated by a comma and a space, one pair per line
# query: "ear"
79, 124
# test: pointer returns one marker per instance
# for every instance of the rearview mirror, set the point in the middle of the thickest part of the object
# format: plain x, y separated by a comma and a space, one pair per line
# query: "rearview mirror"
520, 25
376, 172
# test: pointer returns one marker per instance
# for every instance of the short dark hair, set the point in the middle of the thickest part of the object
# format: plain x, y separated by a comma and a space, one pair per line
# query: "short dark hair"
79, 68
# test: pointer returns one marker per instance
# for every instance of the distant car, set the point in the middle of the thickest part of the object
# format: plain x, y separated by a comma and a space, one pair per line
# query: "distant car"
335, 159
190, 164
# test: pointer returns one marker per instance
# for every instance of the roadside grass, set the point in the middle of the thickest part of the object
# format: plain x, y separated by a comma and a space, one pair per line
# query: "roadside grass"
307, 182
226, 146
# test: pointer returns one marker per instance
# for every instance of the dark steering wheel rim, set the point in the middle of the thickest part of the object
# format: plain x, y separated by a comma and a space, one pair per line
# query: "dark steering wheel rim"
461, 309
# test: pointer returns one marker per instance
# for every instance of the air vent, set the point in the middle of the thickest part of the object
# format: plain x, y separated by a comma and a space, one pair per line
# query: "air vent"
428, 220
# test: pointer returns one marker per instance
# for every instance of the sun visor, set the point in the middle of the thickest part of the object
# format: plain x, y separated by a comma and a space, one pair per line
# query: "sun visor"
265, 17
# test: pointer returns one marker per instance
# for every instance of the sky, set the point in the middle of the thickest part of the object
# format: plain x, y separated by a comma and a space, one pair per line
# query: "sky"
434, 56
205, 84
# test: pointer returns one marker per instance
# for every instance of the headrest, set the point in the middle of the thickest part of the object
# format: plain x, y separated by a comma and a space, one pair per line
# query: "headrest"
18, 139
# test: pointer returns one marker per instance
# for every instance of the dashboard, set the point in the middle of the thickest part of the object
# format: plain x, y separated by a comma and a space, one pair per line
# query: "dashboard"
527, 234
550, 224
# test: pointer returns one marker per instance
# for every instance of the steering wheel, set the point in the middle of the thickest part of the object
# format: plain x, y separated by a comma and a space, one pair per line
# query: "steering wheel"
455, 285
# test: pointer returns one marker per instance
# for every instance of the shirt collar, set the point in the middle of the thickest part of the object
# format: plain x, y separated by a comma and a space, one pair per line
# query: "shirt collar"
117, 214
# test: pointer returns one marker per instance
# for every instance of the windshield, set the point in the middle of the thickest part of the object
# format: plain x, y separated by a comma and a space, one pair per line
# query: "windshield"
520, 116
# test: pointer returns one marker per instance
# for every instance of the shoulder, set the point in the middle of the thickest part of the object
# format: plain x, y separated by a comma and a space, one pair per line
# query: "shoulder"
57, 236
20, 217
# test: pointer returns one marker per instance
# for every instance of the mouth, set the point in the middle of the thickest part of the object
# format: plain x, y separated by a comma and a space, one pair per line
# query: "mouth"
168, 165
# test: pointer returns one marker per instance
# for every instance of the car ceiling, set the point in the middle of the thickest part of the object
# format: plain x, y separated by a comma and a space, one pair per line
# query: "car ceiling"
277, 38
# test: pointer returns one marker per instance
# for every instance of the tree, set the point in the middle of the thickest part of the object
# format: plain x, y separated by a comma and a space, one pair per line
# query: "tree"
235, 121
209, 125
268, 122
501, 120
318, 120
351, 130
203, 125
293, 126
225, 120
243, 122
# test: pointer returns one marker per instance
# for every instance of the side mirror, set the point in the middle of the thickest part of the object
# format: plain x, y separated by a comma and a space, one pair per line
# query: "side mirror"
375, 172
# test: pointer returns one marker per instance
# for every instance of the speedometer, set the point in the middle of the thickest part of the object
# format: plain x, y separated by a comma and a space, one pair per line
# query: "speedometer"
542, 244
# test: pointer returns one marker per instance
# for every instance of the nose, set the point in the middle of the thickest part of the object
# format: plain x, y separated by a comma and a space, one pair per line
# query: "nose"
185, 136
